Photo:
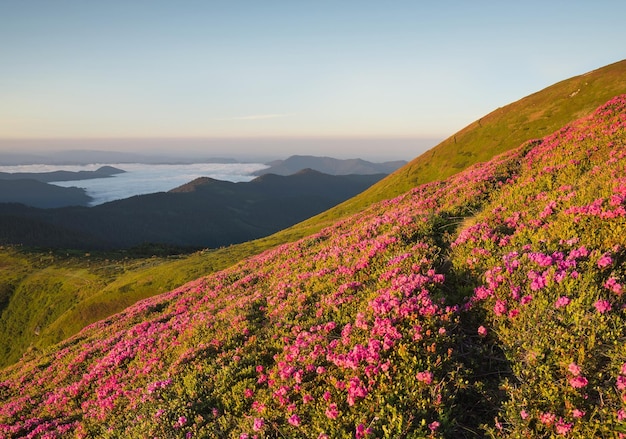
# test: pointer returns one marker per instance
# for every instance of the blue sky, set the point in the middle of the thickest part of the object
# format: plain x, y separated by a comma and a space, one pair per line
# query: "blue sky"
307, 74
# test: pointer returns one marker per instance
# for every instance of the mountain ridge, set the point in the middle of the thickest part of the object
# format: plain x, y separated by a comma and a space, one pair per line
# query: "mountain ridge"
329, 165
42, 195
47, 177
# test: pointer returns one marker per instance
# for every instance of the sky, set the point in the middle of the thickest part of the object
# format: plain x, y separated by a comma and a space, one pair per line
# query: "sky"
370, 79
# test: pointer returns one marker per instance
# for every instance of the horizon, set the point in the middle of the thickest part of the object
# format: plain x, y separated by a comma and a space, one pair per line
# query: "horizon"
279, 79
243, 149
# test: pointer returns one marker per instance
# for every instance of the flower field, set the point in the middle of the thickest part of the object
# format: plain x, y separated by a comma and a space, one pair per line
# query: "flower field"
488, 304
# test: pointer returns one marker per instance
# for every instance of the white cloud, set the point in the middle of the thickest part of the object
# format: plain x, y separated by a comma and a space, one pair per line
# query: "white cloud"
142, 178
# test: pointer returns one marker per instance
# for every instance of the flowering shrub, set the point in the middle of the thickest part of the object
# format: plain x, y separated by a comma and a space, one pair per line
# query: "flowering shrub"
489, 303
551, 265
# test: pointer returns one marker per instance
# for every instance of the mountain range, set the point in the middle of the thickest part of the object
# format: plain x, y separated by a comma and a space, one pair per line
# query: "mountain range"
203, 213
31, 188
330, 166
47, 177
86, 157
475, 292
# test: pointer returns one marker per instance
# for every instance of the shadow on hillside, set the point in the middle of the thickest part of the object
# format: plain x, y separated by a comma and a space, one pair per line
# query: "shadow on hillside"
484, 367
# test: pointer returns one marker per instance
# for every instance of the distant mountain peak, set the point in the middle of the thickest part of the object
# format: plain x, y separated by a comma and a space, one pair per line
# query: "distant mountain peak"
329, 165
197, 183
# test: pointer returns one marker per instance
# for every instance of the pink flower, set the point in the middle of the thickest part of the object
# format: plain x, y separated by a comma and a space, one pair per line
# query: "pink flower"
294, 420
578, 382
362, 431
574, 369
605, 261
602, 306
524, 414
623, 371
258, 424
621, 382
326, 396
538, 280
513, 313
621, 414
578, 413
356, 389
425, 377
562, 302
612, 284
482, 331
563, 427
498, 424
433, 426
547, 418
500, 307
332, 412
482, 292
248, 393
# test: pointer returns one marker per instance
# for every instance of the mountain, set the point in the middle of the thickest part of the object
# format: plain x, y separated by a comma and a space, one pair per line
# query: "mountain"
204, 213
70, 291
38, 194
489, 303
30, 188
330, 166
47, 177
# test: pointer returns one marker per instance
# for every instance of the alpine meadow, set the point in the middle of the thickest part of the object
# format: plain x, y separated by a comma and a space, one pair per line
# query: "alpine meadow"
476, 292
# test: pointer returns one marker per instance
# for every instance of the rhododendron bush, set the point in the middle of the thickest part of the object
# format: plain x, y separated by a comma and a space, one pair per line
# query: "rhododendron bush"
490, 303
550, 253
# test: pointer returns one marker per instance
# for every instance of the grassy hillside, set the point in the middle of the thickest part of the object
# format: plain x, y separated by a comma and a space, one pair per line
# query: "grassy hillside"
501, 130
488, 304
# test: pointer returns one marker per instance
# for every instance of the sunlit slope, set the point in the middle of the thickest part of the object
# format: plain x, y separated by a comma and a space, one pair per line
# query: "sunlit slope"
501, 130
490, 304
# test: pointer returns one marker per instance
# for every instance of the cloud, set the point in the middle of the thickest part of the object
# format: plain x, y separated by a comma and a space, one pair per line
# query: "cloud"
142, 178
255, 117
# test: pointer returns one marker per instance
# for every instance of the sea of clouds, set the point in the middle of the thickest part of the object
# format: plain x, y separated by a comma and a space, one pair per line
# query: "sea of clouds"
142, 178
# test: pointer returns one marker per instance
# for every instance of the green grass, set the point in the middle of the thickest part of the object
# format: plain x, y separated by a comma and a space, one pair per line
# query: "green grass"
45, 298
